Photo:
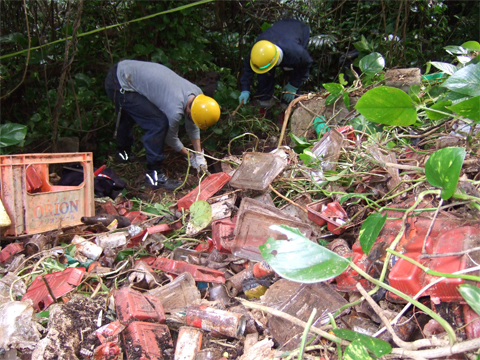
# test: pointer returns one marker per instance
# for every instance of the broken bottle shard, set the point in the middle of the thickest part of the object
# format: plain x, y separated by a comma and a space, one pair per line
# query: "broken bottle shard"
303, 299
327, 150
257, 171
177, 295
253, 228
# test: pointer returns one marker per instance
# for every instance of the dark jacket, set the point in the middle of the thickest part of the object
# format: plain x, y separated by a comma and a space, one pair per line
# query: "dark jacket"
292, 37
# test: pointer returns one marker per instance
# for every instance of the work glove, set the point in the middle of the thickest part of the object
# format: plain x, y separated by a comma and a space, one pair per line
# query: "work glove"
244, 95
198, 162
290, 89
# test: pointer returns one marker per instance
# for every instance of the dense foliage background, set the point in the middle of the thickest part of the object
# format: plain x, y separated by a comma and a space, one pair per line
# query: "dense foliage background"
56, 87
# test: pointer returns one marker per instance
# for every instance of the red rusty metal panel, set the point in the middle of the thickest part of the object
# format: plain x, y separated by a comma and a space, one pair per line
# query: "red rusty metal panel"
60, 282
150, 341
133, 305
178, 267
208, 187
10, 250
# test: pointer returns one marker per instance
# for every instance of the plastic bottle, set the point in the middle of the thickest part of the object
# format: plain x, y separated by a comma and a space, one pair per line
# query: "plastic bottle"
106, 220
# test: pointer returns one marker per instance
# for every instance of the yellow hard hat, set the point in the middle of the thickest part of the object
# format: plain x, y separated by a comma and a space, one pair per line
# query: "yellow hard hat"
264, 56
205, 111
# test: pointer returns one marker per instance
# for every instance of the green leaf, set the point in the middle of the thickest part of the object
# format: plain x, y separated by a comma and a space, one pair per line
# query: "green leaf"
378, 347
457, 50
302, 144
414, 93
371, 227
440, 106
372, 64
471, 294
12, 134
442, 169
360, 123
307, 157
465, 81
334, 88
471, 45
356, 351
362, 45
387, 105
445, 67
331, 99
469, 108
200, 214
82, 80
300, 259
346, 100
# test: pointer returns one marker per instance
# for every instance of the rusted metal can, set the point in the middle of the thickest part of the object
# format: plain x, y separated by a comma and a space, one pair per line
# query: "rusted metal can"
188, 344
216, 321
234, 284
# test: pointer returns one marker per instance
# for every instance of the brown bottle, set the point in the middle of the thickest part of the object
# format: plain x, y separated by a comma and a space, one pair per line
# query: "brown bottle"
106, 220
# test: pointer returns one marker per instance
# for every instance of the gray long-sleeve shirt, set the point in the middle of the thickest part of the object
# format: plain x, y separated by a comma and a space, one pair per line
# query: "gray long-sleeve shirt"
164, 88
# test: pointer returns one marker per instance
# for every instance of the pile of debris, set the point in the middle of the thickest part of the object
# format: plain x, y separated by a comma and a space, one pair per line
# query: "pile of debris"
193, 283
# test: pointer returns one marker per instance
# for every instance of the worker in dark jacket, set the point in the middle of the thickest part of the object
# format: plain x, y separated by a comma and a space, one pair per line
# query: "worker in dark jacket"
157, 99
283, 44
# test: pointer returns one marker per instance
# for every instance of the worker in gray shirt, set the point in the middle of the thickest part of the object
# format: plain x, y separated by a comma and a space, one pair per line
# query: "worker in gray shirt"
157, 99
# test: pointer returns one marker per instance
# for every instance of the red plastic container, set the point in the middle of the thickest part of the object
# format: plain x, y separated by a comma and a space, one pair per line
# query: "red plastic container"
10, 250
326, 212
223, 234
150, 341
60, 282
178, 267
33, 204
133, 305
208, 187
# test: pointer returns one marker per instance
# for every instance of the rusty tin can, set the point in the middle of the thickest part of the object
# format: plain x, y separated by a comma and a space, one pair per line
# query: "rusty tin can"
216, 321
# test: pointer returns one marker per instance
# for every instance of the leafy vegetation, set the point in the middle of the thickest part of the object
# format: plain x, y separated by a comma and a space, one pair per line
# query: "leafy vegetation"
56, 88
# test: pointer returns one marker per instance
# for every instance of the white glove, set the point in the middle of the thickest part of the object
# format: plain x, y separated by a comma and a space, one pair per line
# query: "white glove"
198, 162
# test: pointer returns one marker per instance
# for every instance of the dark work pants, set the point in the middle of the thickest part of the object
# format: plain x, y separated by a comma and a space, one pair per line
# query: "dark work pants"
136, 108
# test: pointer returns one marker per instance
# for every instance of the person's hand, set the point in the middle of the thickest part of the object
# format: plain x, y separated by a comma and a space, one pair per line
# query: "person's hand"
244, 95
198, 162
201, 162
287, 90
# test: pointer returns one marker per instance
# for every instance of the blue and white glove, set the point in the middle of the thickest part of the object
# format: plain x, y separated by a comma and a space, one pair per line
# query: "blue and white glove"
289, 89
244, 95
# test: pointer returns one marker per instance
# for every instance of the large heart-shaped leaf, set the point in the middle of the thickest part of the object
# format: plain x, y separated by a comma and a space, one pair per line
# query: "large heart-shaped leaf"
12, 134
371, 227
471, 45
372, 64
387, 105
445, 67
471, 294
442, 169
356, 351
457, 50
469, 108
465, 81
200, 214
378, 347
441, 106
300, 259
